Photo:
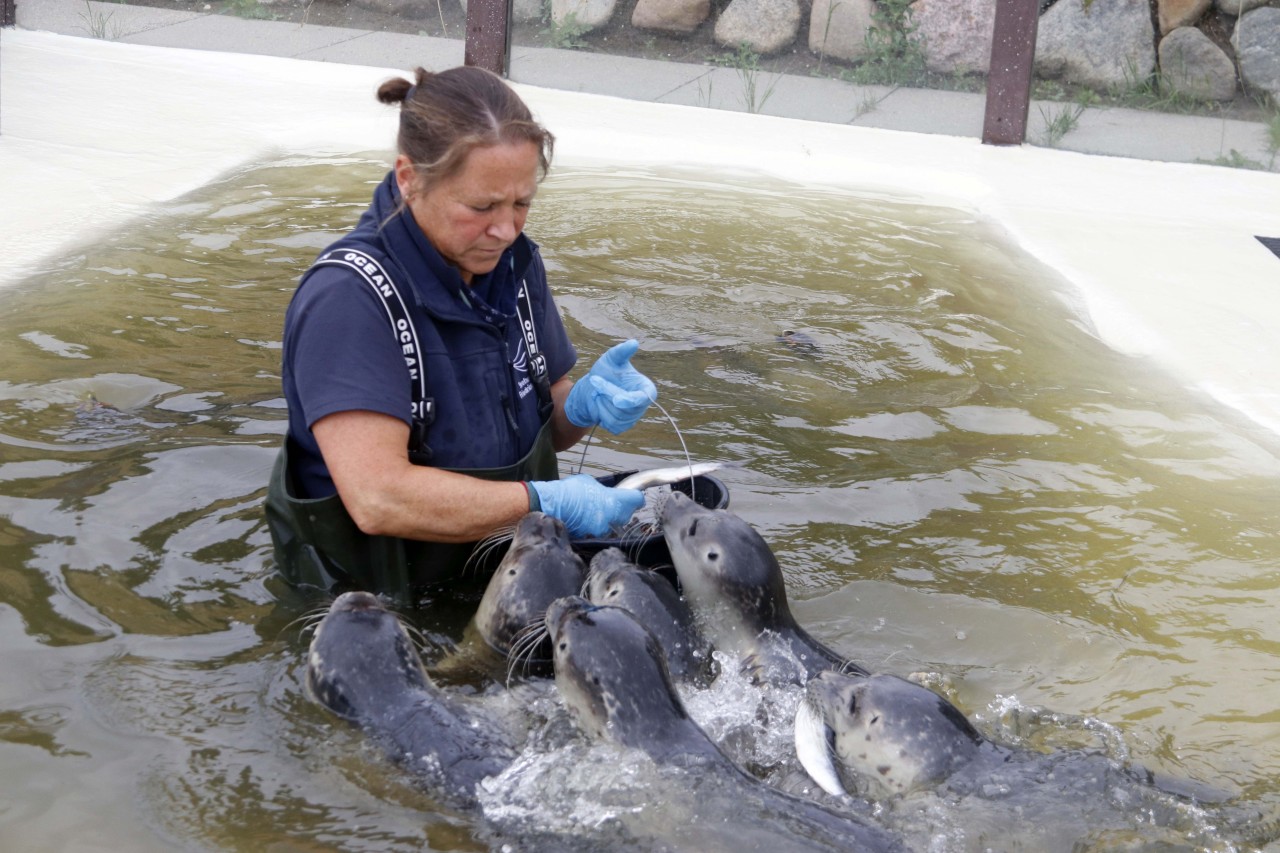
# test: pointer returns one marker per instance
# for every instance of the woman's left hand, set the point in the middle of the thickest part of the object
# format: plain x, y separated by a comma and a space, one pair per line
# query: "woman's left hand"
613, 394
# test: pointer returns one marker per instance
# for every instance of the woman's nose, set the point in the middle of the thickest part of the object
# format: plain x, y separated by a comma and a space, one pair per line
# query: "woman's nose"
503, 226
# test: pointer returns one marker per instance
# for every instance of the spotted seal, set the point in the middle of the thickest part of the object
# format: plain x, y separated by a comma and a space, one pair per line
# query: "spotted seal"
613, 678
614, 580
539, 567
889, 733
734, 584
363, 667
885, 737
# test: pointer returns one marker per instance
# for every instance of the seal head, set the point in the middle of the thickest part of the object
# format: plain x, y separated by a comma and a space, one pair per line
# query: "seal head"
539, 567
612, 674
880, 734
614, 580
735, 586
363, 667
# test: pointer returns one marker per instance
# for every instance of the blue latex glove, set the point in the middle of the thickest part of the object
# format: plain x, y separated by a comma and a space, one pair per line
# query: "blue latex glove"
613, 394
585, 505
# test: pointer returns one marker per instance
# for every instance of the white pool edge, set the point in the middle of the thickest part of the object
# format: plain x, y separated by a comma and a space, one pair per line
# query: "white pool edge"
1163, 255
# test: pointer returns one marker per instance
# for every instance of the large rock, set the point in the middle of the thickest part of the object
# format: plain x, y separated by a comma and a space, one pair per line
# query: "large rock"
1238, 7
1257, 44
956, 33
1110, 44
1180, 13
1193, 65
838, 28
587, 14
673, 16
764, 26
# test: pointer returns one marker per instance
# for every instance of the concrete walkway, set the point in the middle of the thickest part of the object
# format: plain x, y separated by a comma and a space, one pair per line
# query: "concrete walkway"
1110, 131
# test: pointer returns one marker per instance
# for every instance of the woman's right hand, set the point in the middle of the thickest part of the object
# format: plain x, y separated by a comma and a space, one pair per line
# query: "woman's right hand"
613, 394
585, 505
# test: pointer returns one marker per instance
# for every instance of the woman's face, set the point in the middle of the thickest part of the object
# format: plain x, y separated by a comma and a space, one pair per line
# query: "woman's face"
474, 215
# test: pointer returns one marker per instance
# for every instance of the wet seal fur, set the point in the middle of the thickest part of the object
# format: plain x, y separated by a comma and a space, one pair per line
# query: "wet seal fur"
363, 666
887, 737
734, 584
612, 579
612, 676
539, 567
886, 731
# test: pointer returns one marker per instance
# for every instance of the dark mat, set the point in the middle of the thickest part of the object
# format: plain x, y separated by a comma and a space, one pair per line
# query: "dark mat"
1272, 243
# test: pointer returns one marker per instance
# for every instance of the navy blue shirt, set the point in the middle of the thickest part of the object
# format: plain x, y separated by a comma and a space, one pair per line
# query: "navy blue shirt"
341, 354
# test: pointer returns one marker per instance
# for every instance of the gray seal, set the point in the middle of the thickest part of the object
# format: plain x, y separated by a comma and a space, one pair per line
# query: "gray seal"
363, 667
891, 739
734, 584
611, 675
612, 579
539, 567
880, 732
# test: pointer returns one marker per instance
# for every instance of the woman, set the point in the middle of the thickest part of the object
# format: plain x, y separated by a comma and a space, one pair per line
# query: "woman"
425, 365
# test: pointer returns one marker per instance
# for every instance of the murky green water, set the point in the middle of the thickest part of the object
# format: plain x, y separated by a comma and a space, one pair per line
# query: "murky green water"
957, 477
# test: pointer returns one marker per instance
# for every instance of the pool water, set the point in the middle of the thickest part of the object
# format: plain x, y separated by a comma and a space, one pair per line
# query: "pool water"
958, 478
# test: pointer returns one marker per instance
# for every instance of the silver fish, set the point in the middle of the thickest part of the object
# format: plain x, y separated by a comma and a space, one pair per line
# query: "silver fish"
665, 476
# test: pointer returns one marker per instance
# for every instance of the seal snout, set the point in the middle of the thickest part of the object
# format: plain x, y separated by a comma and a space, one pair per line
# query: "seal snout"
351, 602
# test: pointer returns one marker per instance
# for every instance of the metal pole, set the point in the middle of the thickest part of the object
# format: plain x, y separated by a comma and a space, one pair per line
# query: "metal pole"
489, 35
1013, 55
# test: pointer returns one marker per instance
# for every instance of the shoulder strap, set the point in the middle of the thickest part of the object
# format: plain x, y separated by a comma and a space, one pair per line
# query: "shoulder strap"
406, 335
537, 361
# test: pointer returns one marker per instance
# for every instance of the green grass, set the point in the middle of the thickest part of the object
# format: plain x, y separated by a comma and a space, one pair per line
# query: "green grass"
747, 63
566, 34
1059, 124
99, 24
894, 54
251, 9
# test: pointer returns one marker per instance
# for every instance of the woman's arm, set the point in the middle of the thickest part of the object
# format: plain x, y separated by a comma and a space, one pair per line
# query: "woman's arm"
564, 434
387, 495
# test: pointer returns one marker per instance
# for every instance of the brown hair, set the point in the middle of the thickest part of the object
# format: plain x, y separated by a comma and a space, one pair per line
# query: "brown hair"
446, 115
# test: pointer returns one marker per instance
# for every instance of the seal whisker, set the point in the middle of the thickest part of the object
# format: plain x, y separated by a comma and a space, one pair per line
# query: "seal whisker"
525, 645
309, 620
485, 547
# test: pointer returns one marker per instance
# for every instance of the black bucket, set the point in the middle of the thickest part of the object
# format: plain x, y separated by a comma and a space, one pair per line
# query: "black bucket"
650, 550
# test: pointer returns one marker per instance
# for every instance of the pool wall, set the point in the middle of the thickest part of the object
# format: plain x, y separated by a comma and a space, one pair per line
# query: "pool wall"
1163, 256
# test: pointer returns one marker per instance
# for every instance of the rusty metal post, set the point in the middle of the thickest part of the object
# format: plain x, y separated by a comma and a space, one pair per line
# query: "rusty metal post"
1013, 55
8, 13
489, 35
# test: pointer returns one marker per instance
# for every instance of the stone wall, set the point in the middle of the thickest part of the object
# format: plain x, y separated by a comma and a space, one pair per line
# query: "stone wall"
1211, 50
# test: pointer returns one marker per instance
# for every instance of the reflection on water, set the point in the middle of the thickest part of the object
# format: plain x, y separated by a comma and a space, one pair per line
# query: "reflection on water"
956, 476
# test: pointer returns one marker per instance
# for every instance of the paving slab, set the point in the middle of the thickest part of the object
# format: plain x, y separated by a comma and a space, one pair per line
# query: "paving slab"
598, 73
393, 50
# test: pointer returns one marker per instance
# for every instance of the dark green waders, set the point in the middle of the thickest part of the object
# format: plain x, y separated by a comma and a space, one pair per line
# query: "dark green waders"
318, 545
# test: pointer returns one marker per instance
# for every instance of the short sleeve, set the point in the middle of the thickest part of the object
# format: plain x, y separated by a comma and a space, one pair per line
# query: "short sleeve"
340, 351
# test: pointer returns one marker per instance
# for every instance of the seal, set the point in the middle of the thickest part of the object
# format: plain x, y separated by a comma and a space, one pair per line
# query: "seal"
886, 732
613, 678
734, 584
539, 567
614, 580
884, 736
363, 667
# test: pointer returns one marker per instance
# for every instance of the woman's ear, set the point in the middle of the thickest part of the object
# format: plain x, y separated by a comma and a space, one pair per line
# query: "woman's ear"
406, 176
